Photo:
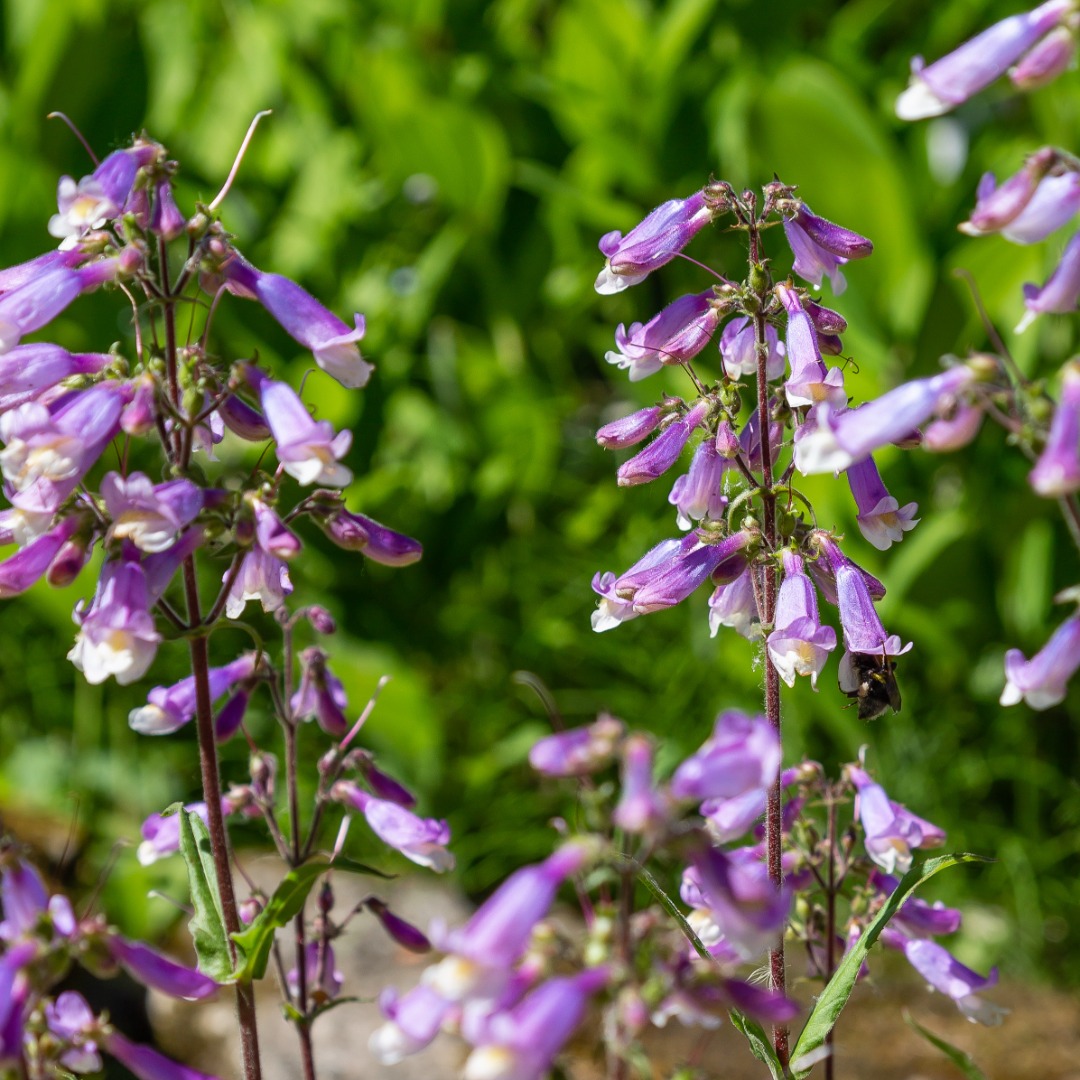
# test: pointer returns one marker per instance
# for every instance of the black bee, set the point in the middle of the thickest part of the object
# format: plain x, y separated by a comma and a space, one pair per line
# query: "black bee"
870, 681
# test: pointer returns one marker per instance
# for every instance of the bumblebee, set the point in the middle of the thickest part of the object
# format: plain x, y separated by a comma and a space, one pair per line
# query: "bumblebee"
870, 681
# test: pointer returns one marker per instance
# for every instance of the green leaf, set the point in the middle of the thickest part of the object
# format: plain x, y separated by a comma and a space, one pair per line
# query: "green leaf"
760, 1046
961, 1060
834, 997
207, 926
287, 901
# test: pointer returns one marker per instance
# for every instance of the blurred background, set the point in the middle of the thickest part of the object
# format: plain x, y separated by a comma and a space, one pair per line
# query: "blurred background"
447, 168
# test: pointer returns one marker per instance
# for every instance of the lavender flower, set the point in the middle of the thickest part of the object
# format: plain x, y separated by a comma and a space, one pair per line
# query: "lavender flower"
677, 579
965, 71
262, 577
322, 979
169, 708
741, 755
811, 381
696, 495
642, 808
1061, 292
1043, 680
738, 350
579, 751
357, 532
1054, 202
650, 244
617, 593
412, 1022
149, 516
821, 248
892, 832
996, 207
664, 450
404, 933
71, 1021
1057, 472
25, 567
946, 974
145, 1062
1045, 60
799, 644
674, 336
305, 320
882, 520
33, 372
320, 694
734, 605
630, 430
153, 969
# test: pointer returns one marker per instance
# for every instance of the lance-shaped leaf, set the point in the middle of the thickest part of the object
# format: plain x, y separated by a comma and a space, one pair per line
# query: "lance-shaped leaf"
957, 1056
834, 997
207, 926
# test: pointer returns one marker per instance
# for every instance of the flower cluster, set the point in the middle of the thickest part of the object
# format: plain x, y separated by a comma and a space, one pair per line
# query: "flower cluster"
43, 1032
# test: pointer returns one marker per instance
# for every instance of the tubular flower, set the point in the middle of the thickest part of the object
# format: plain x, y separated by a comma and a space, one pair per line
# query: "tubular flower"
1054, 202
169, 708
304, 319
32, 372
965, 71
741, 755
1061, 292
734, 604
996, 207
821, 248
617, 593
579, 751
642, 807
358, 532
738, 350
674, 336
799, 645
149, 516
1043, 680
664, 450
696, 495
1057, 472
947, 975
650, 244
630, 430
1046, 60
882, 520
811, 381
684, 573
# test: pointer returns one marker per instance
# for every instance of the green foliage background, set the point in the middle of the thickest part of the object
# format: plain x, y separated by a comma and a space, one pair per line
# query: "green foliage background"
447, 168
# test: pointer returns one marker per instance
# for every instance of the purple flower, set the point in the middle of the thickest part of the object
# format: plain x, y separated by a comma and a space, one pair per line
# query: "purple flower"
320, 694
916, 917
321, 977
241, 419
882, 520
100, 196
271, 533
1045, 60
1057, 472
145, 1062
579, 751
161, 835
821, 248
674, 336
738, 350
169, 708
630, 430
357, 532
891, 831
617, 593
25, 567
696, 495
71, 1020
1054, 202
664, 450
839, 439
650, 244
811, 381
262, 577
997, 207
413, 1021
642, 808
947, 975
744, 903
741, 755
1061, 292
521, 1043
308, 449
165, 218
965, 71
152, 969
735, 605
799, 644
1042, 680
677, 579
305, 320
117, 635
30, 372
149, 516
24, 899
404, 933
954, 431
484, 949
48, 452
421, 840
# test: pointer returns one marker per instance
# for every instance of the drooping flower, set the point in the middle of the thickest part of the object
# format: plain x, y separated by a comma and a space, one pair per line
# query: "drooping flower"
998, 206
320, 695
734, 605
677, 579
799, 644
821, 248
262, 577
1057, 472
169, 708
1054, 202
651, 243
950, 81
578, 751
158, 971
33, 372
947, 975
697, 495
742, 754
321, 976
358, 532
675, 335
412, 1022
25, 567
150, 516
664, 450
1046, 60
811, 381
642, 807
1043, 680
617, 593
881, 519
630, 430
145, 1062
305, 320
738, 350
1060, 294
72, 1022
404, 933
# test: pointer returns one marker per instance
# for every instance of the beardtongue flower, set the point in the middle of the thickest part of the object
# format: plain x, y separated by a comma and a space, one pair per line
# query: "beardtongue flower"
650, 244
412, 1022
157, 971
304, 319
821, 248
617, 593
642, 807
881, 519
741, 755
630, 430
947, 975
839, 439
739, 353
916, 917
996, 207
579, 751
1060, 294
357, 532
262, 577
321, 694
169, 708
965, 71
811, 381
482, 951
674, 336
1057, 472
145, 1062
421, 840
735, 605
891, 831
799, 645
664, 450
321, 977
953, 431
697, 495
522, 1043
71, 1022
1046, 60
161, 834
1054, 202
1043, 680
32, 372
149, 516
100, 196
677, 579
27, 566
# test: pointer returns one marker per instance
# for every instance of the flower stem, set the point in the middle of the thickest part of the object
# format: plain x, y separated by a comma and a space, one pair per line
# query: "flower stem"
767, 593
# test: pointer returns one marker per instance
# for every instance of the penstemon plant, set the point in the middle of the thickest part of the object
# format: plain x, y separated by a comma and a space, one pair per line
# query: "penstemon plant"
187, 543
